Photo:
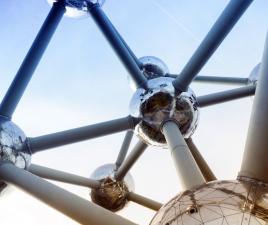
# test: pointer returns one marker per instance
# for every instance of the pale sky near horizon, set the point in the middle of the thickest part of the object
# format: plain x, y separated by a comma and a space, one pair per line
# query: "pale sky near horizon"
80, 81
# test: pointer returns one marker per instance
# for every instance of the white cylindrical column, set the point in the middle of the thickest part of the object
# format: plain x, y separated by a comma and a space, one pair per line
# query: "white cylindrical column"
255, 159
185, 164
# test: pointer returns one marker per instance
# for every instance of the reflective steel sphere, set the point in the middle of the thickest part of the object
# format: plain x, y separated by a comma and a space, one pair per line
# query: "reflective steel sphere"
112, 194
153, 67
12, 142
159, 104
254, 75
243, 201
77, 8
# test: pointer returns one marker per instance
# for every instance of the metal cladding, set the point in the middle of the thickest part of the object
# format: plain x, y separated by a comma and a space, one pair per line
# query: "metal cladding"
242, 201
12, 143
112, 194
153, 67
159, 104
77, 8
254, 75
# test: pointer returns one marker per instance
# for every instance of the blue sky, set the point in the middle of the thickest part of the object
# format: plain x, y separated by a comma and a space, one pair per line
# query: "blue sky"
80, 81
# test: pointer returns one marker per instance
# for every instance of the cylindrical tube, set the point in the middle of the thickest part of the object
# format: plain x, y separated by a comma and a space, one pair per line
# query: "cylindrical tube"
187, 169
75, 207
146, 202
255, 159
30, 62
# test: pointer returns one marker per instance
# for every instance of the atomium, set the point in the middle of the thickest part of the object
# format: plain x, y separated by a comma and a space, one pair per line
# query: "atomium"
159, 104
164, 112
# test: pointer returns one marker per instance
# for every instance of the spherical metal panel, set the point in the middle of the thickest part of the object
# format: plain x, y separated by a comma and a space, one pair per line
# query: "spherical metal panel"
254, 75
77, 8
159, 104
12, 144
111, 194
218, 203
153, 67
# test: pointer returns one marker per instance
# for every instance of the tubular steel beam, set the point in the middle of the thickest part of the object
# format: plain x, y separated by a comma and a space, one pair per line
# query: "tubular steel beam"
217, 79
146, 202
61, 176
124, 149
222, 80
201, 162
30, 62
75, 207
187, 169
123, 51
211, 42
255, 163
130, 160
53, 140
225, 96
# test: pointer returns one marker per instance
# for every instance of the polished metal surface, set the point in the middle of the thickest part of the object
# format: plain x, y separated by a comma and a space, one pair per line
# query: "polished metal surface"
254, 75
111, 194
77, 8
160, 104
12, 144
239, 202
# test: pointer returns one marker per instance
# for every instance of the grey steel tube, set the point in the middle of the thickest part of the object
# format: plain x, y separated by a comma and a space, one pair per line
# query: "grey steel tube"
130, 160
30, 62
255, 159
124, 149
73, 206
146, 202
216, 79
118, 45
231, 14
221, 80
61, 176
201, 162
187, 169
225, 96
53, 140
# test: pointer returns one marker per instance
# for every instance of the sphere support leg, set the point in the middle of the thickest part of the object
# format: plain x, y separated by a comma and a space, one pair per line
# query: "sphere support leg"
255, 163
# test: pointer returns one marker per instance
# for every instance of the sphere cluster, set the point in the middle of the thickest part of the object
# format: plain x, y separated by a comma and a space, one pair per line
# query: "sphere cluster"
159, 104
237, 202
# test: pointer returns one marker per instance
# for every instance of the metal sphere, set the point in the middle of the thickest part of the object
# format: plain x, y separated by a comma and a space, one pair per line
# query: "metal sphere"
153, 67
111, 194
77, 8
12, 146
237, 202
254, 75
159, 104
